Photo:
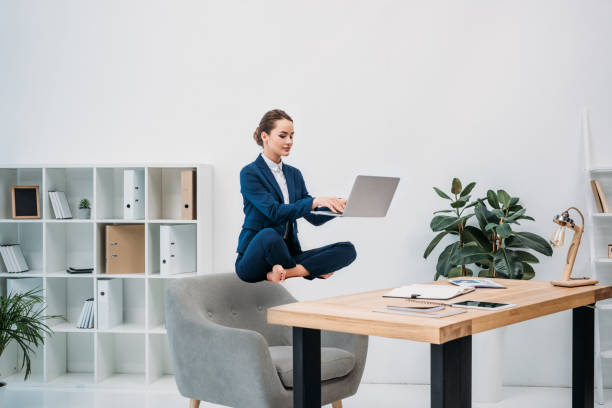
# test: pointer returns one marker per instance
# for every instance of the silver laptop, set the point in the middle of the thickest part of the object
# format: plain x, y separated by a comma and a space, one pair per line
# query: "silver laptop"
370, 197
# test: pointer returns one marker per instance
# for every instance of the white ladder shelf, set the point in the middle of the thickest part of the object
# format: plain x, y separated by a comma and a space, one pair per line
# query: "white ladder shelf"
598, 249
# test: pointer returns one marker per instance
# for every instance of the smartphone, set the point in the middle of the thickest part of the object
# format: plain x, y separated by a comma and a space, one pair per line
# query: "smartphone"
476, 304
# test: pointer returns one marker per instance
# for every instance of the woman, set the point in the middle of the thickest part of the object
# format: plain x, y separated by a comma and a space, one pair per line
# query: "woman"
275, 196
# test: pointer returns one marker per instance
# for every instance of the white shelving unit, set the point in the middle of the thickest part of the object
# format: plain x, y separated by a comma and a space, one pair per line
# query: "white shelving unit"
599, 227
135, 353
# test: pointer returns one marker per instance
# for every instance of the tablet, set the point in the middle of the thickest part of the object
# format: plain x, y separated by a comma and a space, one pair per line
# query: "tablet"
476, 304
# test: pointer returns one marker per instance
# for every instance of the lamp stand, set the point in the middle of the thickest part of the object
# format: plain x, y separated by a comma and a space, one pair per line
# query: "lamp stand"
567, 280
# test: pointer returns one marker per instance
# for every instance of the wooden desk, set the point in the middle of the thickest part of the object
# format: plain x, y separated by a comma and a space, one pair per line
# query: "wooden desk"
450, 337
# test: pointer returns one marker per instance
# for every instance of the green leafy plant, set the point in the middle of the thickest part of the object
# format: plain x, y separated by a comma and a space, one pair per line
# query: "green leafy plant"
84, 204
492, 246
454, 224
22, 320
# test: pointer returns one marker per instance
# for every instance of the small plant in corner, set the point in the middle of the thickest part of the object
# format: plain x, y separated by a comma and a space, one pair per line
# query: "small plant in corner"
22, 320
84, 211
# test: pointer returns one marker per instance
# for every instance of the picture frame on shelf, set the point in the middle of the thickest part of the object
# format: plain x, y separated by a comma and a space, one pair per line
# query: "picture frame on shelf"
25, 202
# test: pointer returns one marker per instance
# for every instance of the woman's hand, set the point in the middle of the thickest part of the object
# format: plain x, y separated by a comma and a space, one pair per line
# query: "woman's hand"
334, 204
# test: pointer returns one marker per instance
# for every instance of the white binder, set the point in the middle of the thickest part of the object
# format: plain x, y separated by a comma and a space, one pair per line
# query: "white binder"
110, 303
133, 194
177, 249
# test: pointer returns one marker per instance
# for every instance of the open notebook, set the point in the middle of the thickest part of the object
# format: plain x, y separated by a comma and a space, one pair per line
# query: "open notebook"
420, 291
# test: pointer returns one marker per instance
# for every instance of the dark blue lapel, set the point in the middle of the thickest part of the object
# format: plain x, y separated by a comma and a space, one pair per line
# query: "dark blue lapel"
263, 166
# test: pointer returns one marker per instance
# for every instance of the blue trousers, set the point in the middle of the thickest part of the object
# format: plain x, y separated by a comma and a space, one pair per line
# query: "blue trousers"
268, 249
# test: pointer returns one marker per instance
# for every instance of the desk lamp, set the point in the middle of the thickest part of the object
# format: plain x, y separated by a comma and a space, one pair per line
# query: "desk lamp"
557, 240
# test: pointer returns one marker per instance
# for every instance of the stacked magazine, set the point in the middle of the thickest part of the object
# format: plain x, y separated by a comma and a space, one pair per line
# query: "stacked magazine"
13, 258
61, 209
86, 319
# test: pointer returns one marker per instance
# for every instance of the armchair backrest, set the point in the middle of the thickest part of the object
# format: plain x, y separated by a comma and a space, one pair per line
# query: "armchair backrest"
226, 300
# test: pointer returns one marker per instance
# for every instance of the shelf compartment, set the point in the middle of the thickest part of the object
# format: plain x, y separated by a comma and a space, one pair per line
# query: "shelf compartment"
29, 237
76, 183
133, 307
13, 176
160, 364
156, 301
164, 192
121, 359
10, 365
109, 192
69, 245
153, 250
65, 297
70, 358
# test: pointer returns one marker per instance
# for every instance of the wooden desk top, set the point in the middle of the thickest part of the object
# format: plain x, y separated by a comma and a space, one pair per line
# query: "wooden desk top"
353, 313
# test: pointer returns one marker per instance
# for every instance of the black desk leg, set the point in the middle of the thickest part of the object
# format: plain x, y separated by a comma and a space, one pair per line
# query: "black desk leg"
306, 368
451, 374
583, 356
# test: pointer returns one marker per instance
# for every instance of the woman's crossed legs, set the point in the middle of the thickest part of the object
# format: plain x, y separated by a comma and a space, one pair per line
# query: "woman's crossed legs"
268, 258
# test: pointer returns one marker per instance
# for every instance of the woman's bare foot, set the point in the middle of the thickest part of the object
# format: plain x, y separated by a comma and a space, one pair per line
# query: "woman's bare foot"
277, 275
327, 275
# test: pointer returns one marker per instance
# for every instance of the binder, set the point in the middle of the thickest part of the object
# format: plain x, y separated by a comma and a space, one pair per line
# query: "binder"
65, 208
125, 249
82, 316
21, 262
177, 245
57, 211
133, 194
188, 195
5, 258
90, 321
110, 303
13, 258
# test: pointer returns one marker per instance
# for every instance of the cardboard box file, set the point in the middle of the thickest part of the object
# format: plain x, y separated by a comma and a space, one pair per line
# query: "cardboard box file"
125, 249
188, 195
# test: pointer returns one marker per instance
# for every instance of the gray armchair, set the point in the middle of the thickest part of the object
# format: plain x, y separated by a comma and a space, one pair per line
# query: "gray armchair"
223, 350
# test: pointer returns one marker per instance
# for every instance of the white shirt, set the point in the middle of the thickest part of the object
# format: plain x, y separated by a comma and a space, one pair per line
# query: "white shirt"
279, 176
277, 171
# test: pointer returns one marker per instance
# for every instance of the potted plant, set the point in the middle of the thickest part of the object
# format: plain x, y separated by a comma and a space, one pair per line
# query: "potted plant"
493, 249
84, 211
22, 320
492, 245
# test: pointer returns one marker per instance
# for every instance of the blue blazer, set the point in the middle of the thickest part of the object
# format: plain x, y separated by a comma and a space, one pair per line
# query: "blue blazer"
264, 205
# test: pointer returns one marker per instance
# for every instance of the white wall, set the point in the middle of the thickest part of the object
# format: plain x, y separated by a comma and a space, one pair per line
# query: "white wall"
489, 91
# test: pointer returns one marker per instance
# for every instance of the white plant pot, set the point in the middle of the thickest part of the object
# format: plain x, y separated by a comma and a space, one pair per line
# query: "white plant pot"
84, 213
487, 366
2, 391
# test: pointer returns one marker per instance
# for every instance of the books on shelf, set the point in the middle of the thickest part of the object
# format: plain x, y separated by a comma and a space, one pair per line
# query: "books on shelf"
60, 206
13, 259
177, 249
110, 303
86, 318
601, 202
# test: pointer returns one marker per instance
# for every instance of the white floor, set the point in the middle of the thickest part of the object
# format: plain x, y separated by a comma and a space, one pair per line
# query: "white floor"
369, 395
